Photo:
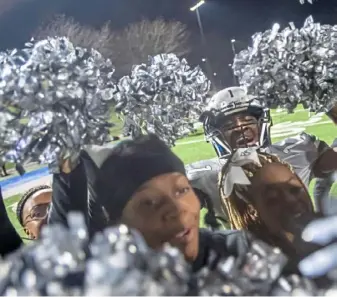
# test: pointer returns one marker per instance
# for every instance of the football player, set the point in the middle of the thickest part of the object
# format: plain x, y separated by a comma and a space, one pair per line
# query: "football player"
235, 120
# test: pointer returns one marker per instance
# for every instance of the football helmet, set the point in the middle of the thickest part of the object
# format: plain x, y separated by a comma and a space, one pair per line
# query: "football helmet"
231, 102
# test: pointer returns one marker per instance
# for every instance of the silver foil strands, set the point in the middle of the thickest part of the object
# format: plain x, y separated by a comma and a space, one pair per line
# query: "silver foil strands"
259, 273
115, 262
292, 66
304, 1
255, 274
164, 96
54, 98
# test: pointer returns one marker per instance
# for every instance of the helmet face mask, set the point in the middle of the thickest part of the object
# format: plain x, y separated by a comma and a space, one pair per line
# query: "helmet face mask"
245, 123
243, 134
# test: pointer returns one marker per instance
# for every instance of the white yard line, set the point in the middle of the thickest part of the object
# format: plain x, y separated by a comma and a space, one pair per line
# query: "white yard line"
190, 142
275, 130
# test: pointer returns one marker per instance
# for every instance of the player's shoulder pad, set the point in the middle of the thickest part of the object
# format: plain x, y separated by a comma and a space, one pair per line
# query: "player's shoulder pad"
309, 139
304, 137
299, 139
201, 168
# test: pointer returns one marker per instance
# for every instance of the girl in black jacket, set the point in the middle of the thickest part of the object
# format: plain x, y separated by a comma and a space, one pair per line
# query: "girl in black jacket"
143, 184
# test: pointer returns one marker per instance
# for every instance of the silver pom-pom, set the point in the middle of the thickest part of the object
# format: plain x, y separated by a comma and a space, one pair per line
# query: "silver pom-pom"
165, 96
115, 262
54, 98
292, 66
304, 1
254, 274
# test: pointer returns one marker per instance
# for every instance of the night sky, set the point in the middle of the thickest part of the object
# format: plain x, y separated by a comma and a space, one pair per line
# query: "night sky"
222, 20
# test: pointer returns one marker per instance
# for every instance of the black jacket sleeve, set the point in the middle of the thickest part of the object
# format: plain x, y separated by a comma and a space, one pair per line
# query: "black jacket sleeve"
74, 192
10, 240
222, 244
69, 194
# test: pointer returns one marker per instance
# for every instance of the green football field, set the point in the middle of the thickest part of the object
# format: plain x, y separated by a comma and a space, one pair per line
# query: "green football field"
194, 148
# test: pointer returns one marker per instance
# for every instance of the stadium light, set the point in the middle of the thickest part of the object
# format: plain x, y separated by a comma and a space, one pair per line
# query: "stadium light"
195, 7
203, 39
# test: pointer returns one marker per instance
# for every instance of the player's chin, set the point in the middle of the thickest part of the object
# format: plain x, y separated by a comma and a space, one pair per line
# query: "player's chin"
191, 249
248, 144
188, 243
253, 143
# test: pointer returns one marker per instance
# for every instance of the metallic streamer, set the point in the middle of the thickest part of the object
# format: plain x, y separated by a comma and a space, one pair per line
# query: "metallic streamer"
292, 66
164, 96
54, 98
115, 262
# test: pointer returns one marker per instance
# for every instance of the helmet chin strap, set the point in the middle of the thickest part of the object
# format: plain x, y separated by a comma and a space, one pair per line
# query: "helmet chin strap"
221, 148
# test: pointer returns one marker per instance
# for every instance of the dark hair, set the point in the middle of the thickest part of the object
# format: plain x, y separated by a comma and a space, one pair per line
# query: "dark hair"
25, 198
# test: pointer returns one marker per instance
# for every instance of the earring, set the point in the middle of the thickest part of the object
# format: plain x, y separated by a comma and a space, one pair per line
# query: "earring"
253, 210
